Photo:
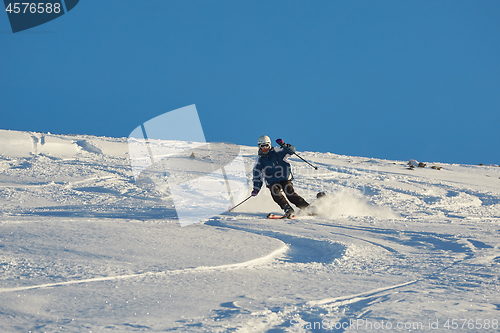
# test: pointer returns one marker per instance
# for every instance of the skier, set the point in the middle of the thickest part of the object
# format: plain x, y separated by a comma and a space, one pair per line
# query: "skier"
273, 168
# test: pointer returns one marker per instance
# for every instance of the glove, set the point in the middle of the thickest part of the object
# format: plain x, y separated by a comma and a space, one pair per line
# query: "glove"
254, 193
280, 142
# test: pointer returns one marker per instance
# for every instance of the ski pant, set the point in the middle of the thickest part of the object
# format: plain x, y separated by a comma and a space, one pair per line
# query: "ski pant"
287, 188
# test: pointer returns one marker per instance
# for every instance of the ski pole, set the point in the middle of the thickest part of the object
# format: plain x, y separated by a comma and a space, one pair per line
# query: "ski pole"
284, 147
316, 168
230, 209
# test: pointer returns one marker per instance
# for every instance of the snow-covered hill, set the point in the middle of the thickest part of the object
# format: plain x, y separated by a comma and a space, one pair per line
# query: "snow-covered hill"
84, 248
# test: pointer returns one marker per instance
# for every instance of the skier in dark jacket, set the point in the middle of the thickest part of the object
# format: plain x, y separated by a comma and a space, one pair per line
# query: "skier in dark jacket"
273, 168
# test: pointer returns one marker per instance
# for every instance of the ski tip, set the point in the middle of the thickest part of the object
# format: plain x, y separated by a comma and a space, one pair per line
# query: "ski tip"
320, 195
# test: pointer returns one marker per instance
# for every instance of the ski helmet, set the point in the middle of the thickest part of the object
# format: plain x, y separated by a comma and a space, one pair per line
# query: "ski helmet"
264, 143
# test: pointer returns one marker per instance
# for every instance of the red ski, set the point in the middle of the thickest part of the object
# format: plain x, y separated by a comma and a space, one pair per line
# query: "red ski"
278, 216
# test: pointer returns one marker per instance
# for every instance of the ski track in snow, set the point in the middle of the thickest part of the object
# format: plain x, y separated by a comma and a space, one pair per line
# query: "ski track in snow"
357, 305
199, 269
390, 244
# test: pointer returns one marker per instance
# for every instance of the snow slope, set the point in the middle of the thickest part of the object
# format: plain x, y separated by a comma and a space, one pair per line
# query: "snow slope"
83, 248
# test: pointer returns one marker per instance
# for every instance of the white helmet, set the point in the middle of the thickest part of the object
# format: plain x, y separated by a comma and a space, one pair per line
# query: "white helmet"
264, 140
264, 143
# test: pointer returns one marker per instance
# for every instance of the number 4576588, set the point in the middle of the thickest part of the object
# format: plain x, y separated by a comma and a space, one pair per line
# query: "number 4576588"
33, 8
478, 324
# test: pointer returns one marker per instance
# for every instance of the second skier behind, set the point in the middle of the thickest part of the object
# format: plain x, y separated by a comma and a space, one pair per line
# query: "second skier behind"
273, 168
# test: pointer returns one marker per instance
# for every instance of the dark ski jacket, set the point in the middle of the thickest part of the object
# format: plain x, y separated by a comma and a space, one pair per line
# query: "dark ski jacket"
273, 167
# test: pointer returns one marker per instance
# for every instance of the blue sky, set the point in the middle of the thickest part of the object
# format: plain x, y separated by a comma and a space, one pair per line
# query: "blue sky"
385, 79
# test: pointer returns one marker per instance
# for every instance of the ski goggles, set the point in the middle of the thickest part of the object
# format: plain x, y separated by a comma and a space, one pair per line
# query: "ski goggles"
264, 146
